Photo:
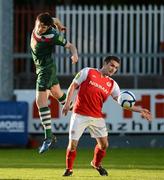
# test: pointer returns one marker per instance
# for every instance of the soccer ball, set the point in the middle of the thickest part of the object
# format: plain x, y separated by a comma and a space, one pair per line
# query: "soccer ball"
126, 99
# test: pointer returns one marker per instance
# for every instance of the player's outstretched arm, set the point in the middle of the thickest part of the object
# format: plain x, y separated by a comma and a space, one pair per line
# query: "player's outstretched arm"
70, 93
73, 50
145, 113
58, 24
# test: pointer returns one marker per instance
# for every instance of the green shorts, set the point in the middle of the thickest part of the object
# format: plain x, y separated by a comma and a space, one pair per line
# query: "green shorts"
46, 78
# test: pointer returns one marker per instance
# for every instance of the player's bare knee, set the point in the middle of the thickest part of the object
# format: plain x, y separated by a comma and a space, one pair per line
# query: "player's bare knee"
106, 145
72, 145
103, 146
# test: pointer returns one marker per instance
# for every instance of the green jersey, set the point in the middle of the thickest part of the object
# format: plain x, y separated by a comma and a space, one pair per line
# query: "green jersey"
42, 47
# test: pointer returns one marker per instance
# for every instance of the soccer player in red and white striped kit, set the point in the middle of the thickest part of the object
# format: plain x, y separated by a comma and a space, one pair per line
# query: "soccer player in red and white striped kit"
94, 87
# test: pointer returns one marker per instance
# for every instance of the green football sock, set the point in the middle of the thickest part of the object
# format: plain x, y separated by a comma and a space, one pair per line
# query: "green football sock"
62, 101
45, 116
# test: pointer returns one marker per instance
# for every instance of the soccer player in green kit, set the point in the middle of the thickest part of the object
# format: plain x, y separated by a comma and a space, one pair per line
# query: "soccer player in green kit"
46, 34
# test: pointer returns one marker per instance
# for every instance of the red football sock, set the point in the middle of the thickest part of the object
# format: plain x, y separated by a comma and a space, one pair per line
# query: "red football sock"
98, 156
70, 157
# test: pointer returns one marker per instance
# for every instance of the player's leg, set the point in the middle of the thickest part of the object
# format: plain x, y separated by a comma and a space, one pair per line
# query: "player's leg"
99, 131
43, 83
100, 150
99, 154
57, 93
45, 117
55, 88
78, 124
70, 157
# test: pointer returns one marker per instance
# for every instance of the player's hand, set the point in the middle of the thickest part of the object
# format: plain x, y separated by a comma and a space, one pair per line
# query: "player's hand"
65, 109
74, 59
59, 25
62, 28
146, 114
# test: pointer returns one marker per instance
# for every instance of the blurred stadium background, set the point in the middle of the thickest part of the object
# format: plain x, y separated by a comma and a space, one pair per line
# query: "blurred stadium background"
134, 31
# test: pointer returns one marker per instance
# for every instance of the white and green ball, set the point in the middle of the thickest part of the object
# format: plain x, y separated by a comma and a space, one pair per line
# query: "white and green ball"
127, 99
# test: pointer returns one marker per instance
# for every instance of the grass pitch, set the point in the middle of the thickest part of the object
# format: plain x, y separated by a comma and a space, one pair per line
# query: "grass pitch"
122, 164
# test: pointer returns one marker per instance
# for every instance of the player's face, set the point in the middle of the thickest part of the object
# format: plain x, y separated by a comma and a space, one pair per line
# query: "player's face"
40, 27
111, 67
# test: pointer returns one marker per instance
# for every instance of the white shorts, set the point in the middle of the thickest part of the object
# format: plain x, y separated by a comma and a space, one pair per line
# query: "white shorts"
79, 123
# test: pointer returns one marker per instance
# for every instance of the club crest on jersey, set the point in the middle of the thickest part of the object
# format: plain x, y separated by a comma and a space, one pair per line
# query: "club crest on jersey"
108, 84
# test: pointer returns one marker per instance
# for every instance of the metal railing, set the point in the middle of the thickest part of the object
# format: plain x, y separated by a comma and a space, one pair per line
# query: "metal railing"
135, 34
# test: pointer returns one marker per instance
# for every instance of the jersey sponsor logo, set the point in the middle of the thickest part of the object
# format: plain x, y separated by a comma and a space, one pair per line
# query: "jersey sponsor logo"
99, 86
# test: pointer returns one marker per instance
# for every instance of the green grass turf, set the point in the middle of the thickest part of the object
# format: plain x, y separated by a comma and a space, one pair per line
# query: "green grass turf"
122, 164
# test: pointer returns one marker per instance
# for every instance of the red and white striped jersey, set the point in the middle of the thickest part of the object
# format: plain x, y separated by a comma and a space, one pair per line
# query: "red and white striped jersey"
94, 89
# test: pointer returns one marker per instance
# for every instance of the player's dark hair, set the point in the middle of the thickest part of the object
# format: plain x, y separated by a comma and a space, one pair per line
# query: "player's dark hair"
45, 18
110, 58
